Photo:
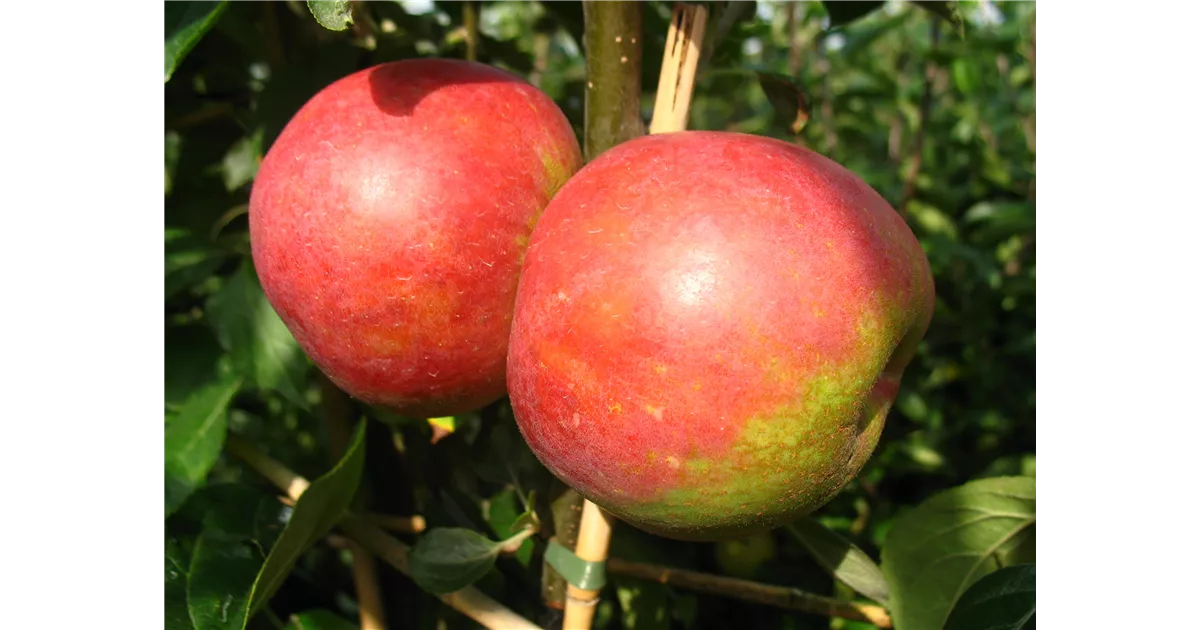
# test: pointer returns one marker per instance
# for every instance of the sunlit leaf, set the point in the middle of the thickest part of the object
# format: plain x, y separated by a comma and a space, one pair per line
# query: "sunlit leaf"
937, 550
263, 349
842, 559
194, 437
335, 16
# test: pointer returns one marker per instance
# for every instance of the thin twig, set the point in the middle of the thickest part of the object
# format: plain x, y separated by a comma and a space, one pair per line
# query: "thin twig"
470, 601
338, 410
745, 590
403, 524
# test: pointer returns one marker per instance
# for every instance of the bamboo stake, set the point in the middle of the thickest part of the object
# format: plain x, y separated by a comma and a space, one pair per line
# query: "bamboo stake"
675, 85
681, 56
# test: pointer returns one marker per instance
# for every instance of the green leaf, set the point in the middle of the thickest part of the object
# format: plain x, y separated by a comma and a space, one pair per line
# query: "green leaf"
317, 511
1004, 600
842, 13
447, 559
176, 610
262, 348
240, 523
842, 559
240, 164
192, 357
645, 605
788, 99
189, 261
334, 16
934, 552
503, 513
194, 438
948, 11
186, 23
966, 75
320, 620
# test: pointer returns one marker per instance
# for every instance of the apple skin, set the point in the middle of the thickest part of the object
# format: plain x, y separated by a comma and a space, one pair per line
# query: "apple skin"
389, 220
710, 330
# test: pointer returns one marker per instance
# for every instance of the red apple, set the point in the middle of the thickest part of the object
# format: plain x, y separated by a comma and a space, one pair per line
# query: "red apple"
710, 330
389, 221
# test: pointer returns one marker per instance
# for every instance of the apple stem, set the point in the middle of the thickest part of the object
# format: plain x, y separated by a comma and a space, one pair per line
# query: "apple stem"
338, 410
771, 595
470, 601
676, 83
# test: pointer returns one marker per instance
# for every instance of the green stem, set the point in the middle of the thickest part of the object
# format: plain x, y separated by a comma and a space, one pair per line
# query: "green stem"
471, 26
612, 42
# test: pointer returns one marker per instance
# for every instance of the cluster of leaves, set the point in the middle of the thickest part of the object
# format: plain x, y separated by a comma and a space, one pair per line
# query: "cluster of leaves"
932, 105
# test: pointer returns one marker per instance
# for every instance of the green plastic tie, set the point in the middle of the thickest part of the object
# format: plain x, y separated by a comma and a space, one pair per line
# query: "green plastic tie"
584, 574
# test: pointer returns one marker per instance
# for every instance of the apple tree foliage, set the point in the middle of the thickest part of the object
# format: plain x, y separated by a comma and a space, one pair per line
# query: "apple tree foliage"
932, 103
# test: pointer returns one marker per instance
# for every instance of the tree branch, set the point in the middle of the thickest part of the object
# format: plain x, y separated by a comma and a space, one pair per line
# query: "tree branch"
745, 590
612, 42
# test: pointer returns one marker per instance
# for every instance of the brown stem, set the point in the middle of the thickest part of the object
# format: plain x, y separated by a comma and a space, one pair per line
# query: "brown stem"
745, 590
612, 41
339, 412
918, 150
470, 601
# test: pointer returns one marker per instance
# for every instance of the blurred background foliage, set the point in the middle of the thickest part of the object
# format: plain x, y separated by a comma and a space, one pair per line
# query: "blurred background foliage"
936, 112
